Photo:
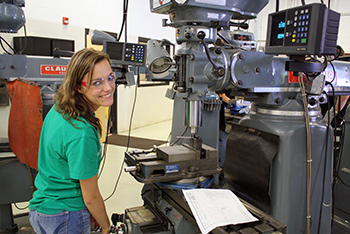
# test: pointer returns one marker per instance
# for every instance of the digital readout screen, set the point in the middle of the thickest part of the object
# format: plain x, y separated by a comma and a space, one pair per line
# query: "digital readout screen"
278, 29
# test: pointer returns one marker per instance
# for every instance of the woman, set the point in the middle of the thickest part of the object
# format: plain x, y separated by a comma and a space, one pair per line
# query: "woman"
70, 150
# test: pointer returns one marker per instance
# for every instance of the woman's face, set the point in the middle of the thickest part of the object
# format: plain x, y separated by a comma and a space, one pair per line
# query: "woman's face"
100, 91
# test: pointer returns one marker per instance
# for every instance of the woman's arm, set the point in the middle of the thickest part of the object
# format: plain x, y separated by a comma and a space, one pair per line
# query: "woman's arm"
224, 97
94, 202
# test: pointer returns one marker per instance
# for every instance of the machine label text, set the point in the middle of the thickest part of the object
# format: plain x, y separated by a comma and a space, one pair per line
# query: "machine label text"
171, 168
53, 69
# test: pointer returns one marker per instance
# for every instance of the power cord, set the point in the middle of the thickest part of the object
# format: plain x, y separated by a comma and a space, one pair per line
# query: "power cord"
2, 46
124, 22
25, 40
104, 154
20, 208
309, 159
127, 147
124, 27
180, 138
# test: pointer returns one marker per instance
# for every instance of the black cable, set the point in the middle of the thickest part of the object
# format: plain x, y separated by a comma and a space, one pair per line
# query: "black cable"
180, 137
329, 4
303, 2
132, 114
168, 138
340, 156
334, 72
125, 14
105, 143
20, 208
207, 53
127, 146
126, 21
2, 46
322, 2
14, 51
334, 151
277, 5
324, 170
229, 44
25, 40
223, 38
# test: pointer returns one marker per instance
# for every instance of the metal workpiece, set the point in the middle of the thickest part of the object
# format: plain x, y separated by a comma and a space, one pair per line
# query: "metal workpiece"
172, 163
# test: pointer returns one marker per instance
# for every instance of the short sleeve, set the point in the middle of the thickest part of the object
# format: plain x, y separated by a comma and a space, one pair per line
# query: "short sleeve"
84, 157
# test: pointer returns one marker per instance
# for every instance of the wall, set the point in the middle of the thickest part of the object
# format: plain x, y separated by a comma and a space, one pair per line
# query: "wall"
44, 19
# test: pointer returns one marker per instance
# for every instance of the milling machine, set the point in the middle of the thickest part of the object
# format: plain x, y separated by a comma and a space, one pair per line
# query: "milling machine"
279, 157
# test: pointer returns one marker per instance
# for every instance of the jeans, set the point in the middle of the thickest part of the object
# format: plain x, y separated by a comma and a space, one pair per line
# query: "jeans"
66, 222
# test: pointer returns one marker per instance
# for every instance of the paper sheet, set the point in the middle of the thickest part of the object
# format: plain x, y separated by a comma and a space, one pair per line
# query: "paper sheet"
216, 207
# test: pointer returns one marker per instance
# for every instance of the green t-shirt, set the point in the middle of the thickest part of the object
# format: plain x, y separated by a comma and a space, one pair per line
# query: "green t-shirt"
67, 154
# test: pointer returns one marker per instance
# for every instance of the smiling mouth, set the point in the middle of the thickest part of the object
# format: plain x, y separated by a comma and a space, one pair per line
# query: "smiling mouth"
107, 95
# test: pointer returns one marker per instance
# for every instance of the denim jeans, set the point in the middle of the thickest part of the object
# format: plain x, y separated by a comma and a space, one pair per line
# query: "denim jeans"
76, 222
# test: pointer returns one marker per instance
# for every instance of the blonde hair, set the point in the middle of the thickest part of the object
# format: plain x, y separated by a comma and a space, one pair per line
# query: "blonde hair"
69, 101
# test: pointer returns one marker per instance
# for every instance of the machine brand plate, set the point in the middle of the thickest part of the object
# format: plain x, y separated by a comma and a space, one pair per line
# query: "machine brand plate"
171, 168
53, 69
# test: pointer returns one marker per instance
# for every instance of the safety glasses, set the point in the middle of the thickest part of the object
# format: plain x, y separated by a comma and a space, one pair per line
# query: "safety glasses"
100, 82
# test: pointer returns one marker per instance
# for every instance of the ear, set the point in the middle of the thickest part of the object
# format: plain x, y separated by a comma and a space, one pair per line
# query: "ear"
80, 89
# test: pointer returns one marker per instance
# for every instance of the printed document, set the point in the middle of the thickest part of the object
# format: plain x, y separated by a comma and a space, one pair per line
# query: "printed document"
216, 207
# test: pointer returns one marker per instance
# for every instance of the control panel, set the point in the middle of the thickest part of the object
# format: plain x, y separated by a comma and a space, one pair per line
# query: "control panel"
125, 53
306, 30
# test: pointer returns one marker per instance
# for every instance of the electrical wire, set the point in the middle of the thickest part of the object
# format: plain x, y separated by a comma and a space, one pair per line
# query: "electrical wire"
227, 43
104, 154
25, 40
2, 162
324, 167
124, 21
207, 53
20, 208
2, 45
180, 138
124, 27
334, 72
168, 138
127, 146
277, 5
308, 149
340, 157
303, 2
334, 151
